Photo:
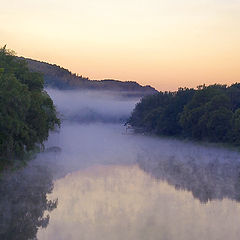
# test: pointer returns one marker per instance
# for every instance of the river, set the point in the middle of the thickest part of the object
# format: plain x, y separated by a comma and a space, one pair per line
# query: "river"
95, 181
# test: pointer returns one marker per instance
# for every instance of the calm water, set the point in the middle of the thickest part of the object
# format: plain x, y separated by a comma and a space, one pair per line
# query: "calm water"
109, 185
123, 202
105, 184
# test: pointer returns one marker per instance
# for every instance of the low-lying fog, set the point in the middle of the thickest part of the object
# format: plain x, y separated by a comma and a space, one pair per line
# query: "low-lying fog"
112, 184
90, 106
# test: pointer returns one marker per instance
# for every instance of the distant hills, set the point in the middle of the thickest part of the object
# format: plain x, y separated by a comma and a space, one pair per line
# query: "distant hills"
61, 78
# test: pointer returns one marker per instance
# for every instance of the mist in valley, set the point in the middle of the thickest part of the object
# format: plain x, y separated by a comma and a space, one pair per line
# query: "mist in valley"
93, 106
103, 182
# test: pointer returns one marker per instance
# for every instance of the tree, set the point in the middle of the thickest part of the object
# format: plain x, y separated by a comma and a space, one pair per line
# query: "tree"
27, 113
209, 113
219, 125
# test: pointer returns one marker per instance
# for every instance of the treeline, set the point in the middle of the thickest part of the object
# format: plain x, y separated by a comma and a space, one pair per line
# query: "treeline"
208, 113
27, 113
61, 78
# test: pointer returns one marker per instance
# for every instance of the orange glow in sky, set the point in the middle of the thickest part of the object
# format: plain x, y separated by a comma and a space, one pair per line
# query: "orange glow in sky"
166, 44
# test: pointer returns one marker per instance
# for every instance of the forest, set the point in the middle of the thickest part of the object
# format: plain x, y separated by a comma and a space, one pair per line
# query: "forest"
27, 113
207, 113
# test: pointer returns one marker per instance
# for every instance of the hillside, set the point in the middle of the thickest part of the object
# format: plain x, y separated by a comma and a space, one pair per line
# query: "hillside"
61, 78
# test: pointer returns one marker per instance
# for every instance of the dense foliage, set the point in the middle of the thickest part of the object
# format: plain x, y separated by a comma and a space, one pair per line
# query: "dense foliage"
27, 112
210, 113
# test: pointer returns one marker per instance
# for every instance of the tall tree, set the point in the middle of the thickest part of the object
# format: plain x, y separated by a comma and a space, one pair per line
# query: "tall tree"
27, 113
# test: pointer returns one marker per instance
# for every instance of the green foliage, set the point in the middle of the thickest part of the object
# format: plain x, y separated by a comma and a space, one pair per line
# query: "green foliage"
207, 113
27, 113
159, 113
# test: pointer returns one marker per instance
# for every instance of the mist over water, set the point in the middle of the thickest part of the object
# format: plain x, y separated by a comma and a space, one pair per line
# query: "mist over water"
113, 184
92, 130
93, 106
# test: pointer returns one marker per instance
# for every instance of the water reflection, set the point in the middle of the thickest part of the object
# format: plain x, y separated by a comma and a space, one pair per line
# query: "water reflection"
23, 202
216, 177
124, 202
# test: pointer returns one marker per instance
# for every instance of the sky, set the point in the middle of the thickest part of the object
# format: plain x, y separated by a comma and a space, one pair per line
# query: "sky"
165, 44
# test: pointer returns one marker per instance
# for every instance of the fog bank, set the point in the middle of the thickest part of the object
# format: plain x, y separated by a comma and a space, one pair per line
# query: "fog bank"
193, 167
92, 106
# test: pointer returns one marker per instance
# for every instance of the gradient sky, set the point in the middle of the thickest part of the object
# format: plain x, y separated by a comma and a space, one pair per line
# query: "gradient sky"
166, 44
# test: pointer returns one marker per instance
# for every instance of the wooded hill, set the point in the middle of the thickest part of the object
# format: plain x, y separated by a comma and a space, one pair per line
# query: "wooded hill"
61, 78
208, 113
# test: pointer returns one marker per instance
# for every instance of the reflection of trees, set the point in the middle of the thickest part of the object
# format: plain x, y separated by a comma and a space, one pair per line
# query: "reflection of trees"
207, 180
23, 201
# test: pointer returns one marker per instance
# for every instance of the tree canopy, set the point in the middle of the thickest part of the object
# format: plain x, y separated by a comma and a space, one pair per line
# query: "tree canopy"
210, 113
27, 113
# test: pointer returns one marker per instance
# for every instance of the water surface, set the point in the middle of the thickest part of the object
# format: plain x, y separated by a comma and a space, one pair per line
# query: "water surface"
97, 182
123, 202
138, 187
